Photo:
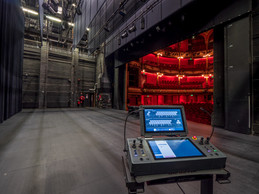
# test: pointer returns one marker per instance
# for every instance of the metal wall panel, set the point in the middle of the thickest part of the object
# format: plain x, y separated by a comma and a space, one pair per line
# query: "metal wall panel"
154, 15
58, 82
237, 76
93, 6
100, 3
185, 2
31, 73
169, 6
218, 90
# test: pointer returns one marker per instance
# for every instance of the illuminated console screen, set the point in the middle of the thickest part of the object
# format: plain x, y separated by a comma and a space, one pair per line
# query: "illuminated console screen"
163, 120
173, 148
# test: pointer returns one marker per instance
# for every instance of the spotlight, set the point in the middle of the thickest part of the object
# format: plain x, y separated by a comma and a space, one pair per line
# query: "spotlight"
56, 2
122, 12
142, 23
132, 28
78, 10
124, 35
158, 29
51, 8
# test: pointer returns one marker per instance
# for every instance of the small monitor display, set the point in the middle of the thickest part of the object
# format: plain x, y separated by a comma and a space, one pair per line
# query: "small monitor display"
163, 120
173, 148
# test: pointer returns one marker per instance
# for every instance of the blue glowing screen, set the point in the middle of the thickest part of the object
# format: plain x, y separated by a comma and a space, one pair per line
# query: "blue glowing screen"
163, 120
173, 148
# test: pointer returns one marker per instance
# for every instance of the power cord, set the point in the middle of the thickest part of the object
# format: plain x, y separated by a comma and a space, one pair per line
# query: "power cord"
129, 113
180, 188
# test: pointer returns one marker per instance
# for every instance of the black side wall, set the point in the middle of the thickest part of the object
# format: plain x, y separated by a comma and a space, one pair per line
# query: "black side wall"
218, 95
255, 67
238, 75
11, 57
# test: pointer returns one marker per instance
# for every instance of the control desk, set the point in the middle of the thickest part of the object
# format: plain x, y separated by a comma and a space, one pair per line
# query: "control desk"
165, 154
148, 156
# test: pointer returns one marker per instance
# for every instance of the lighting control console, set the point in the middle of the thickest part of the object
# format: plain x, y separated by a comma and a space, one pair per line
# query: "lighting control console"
148, 156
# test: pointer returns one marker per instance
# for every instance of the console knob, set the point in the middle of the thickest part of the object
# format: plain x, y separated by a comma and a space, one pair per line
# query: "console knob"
201, 141
134, 144
207, 140
141, 145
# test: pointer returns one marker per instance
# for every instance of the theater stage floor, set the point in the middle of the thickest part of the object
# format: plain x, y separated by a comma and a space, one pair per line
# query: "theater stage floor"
61, 151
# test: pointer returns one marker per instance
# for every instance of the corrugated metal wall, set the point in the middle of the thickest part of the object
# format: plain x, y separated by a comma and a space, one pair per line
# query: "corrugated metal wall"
31, 73
54, 77
11, 52
58, 79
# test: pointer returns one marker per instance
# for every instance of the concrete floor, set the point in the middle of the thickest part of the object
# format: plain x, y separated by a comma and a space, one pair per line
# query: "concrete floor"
61, 151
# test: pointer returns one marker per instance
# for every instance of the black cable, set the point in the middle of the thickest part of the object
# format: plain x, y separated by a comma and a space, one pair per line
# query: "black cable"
180, 188
129, 113
211, 120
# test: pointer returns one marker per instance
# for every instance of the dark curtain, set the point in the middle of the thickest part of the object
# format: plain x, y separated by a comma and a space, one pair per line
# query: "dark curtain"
11, 57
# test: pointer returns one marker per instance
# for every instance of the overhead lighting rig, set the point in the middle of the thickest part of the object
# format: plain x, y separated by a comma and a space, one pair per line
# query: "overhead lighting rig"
122, 12
132, 28
30, 11
54, 18
124, 35
51, 7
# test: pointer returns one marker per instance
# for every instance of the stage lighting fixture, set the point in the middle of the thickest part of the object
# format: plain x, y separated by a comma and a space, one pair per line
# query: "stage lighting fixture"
124, 35
30, 11
50, 7
132, 28
53, 8
56, 2
122, 12
78, 10
158, 28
